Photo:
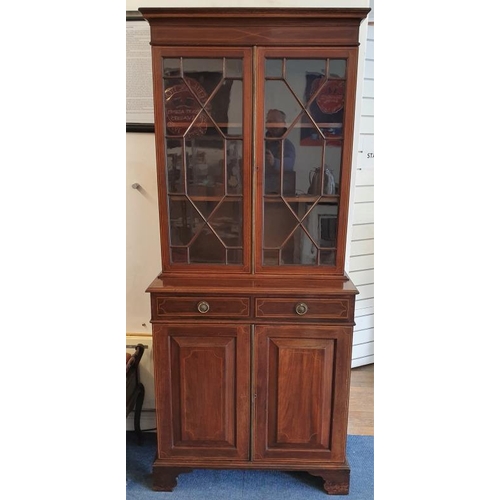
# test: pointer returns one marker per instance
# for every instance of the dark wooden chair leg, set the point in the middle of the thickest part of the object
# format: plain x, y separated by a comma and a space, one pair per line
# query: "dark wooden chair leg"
137, 413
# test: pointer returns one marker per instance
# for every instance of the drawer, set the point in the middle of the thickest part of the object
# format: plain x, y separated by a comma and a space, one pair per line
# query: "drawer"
307, 308
199, 307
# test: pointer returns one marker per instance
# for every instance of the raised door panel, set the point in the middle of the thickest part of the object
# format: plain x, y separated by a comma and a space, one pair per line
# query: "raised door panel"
202, 390
302, 392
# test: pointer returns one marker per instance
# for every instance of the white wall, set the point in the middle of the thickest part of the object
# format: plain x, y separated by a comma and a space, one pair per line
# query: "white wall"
361, 261
143, 249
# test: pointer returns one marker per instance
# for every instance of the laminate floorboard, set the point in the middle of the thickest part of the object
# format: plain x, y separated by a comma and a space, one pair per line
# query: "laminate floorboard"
361, 414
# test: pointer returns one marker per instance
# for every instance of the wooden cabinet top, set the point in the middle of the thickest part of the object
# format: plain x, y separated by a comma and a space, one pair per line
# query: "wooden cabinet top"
285, 285
262, 26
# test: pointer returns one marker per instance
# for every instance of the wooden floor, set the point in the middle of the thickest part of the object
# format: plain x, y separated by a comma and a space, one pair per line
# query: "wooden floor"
361, 420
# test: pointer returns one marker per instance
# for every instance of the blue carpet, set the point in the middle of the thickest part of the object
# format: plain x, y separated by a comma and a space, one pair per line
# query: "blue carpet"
248, 484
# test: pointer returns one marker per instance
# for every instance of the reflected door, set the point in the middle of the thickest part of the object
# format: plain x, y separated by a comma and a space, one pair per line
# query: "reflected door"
302, 137
206, 118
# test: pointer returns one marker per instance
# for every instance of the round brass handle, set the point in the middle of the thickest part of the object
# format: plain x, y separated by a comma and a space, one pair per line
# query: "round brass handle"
203, 307
301, 308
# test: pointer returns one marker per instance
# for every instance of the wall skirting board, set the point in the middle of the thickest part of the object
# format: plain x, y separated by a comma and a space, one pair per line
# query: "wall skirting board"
148, 419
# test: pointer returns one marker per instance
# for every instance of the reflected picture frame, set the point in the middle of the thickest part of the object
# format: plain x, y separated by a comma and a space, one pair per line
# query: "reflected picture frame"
137, 33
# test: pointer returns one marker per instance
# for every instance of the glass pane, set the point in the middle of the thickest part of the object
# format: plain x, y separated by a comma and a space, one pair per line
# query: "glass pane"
185, 221
326, 106
234, 256
316, 233
204, 153
304, 126
205, 207
321, 224
279, 222
205, 165
175, 166
297, 72
337, 68
207, 249
279, 155
179, 254
227, 223
278, 96
327, 257
203, 67
202, 76
234, 68
171, 67
274, 68
299, 249
333, 162
227, 108
181, 108
295, 234
234, 167
271, 257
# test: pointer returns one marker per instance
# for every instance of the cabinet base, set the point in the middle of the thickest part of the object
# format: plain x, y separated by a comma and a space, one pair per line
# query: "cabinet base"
336, 479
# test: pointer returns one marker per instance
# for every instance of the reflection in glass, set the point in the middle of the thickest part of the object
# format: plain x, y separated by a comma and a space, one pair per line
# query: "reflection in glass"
207, 249
185, 221
337, 68
296, 72
206, 231
279, 96
279, 155
280, 222
327, 257
179, 254
231, 124
234, 68
271, 257
234, 167
234, 256
205, 207
227, 223
205, 166
274, 68
302, 150
175, 166
321, 226
302, 233
203, 101
171, 66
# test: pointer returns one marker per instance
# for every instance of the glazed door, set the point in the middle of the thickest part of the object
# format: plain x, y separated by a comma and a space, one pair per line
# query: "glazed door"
302, 392
202, 390
203, 122
303, 144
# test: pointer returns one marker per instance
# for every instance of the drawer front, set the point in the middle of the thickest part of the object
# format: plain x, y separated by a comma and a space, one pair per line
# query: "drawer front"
200, 307
306, 308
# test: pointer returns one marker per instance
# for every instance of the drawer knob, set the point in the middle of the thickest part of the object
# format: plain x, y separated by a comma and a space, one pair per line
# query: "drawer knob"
203, 307
301, 308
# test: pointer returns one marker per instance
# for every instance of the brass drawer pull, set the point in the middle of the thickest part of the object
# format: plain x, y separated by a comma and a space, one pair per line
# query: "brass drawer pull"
301, 308
203, 307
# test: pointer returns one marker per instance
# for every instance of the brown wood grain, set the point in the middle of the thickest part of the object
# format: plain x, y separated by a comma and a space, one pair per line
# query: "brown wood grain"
317, 308
202, 383
250, 383
301, 382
